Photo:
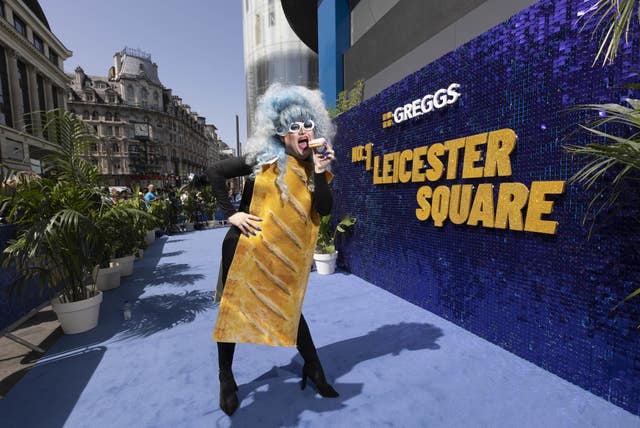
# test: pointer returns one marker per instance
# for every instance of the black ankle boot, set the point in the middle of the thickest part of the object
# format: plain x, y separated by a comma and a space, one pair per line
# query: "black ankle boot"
228, 387
314, 371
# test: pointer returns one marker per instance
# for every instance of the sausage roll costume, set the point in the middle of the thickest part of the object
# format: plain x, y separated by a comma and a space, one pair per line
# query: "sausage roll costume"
266, 279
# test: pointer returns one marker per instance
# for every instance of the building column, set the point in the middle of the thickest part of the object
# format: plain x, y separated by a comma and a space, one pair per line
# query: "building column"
14, 90
35, 102
334, 38
47, 95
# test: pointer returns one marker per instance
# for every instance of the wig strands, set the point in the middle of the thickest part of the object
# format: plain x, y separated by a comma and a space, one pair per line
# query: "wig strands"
277, 108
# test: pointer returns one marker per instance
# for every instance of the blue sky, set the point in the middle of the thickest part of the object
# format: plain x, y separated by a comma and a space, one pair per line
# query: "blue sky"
197, 45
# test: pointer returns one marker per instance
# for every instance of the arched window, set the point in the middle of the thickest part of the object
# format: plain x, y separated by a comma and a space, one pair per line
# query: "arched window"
116, 117
108, 117
94, 115
115, 148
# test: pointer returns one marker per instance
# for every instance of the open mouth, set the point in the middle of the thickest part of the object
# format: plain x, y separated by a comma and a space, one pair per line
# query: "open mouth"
303, 143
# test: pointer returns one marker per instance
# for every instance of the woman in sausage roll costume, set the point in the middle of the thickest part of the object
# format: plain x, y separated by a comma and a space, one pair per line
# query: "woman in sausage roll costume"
267, 253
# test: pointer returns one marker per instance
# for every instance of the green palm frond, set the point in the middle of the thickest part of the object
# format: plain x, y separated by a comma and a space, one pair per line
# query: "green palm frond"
615, 16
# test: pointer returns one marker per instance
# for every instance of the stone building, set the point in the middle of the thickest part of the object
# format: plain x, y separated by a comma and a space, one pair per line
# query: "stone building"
146, 134
32, 79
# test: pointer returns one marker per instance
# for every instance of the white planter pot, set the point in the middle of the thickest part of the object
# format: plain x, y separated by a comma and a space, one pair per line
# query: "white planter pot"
325, 263
126, 265
150, 237
108, 278
188, 227
78, 317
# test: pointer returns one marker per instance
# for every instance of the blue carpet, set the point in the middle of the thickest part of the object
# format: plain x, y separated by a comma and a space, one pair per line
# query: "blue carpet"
393, 363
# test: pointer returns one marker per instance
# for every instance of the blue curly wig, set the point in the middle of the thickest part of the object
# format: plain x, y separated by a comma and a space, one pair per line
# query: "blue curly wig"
277, 108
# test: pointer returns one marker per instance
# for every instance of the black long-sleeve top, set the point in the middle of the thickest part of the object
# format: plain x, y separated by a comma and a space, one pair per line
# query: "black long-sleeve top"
237, 167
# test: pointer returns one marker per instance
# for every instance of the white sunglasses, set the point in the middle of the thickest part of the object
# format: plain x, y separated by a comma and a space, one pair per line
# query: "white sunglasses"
307, 125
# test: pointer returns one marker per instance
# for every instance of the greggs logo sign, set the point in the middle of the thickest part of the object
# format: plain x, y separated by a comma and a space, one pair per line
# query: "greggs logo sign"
425, 105
485, 155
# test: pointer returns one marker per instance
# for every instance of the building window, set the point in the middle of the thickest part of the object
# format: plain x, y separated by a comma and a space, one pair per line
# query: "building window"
19, 25
94, 147
272, 14
116, 131
115, 148
108, 131
111, 98
54, 96
130, 94
2, 10
116, 164
5, 101
53, 57
94, 115
37, 42
133, 148
23, 84
108, 117
88, 96
85, 115
116, 117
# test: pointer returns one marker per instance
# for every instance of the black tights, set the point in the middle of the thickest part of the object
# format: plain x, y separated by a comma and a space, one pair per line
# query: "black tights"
304, 344
225, 349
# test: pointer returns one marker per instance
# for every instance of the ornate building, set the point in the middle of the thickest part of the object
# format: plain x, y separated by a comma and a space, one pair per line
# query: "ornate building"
146, 134
32, 79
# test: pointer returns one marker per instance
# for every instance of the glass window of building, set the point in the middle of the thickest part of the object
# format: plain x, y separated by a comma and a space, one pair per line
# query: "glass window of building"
5, 101
115, 148
88, 96
94, 147
108, 117
2, 9
85, 115
19, 25
54, 96
116, 131
116, 117
111, 98
23, 84
116, 164
144, 94
108, 131
94, 115
53, 57
37, 42
130, 94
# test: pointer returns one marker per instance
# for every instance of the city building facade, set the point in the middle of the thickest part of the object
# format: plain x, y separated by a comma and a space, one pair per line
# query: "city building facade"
382, 41
32, 79
145, 133
273, 52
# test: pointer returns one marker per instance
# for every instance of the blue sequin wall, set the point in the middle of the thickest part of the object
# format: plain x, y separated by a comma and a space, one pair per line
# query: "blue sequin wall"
546, 298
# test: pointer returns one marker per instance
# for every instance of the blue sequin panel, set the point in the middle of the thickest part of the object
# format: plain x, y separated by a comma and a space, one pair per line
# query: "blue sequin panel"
546, 298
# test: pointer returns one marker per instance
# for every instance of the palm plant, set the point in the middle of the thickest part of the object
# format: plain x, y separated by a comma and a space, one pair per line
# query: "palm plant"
327, 236
622, 156
56, 241
616, 15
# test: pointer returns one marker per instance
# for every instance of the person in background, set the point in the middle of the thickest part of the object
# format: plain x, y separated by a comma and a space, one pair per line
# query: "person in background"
150, 196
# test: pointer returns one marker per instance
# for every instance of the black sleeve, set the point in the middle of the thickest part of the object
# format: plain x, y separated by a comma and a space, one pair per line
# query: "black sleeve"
323, 199
219, 173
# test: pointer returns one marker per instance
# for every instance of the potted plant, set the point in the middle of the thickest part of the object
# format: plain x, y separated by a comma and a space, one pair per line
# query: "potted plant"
57, 240
191, 209
325, 255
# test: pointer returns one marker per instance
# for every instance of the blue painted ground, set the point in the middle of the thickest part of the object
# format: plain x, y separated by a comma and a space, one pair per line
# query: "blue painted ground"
393, 363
